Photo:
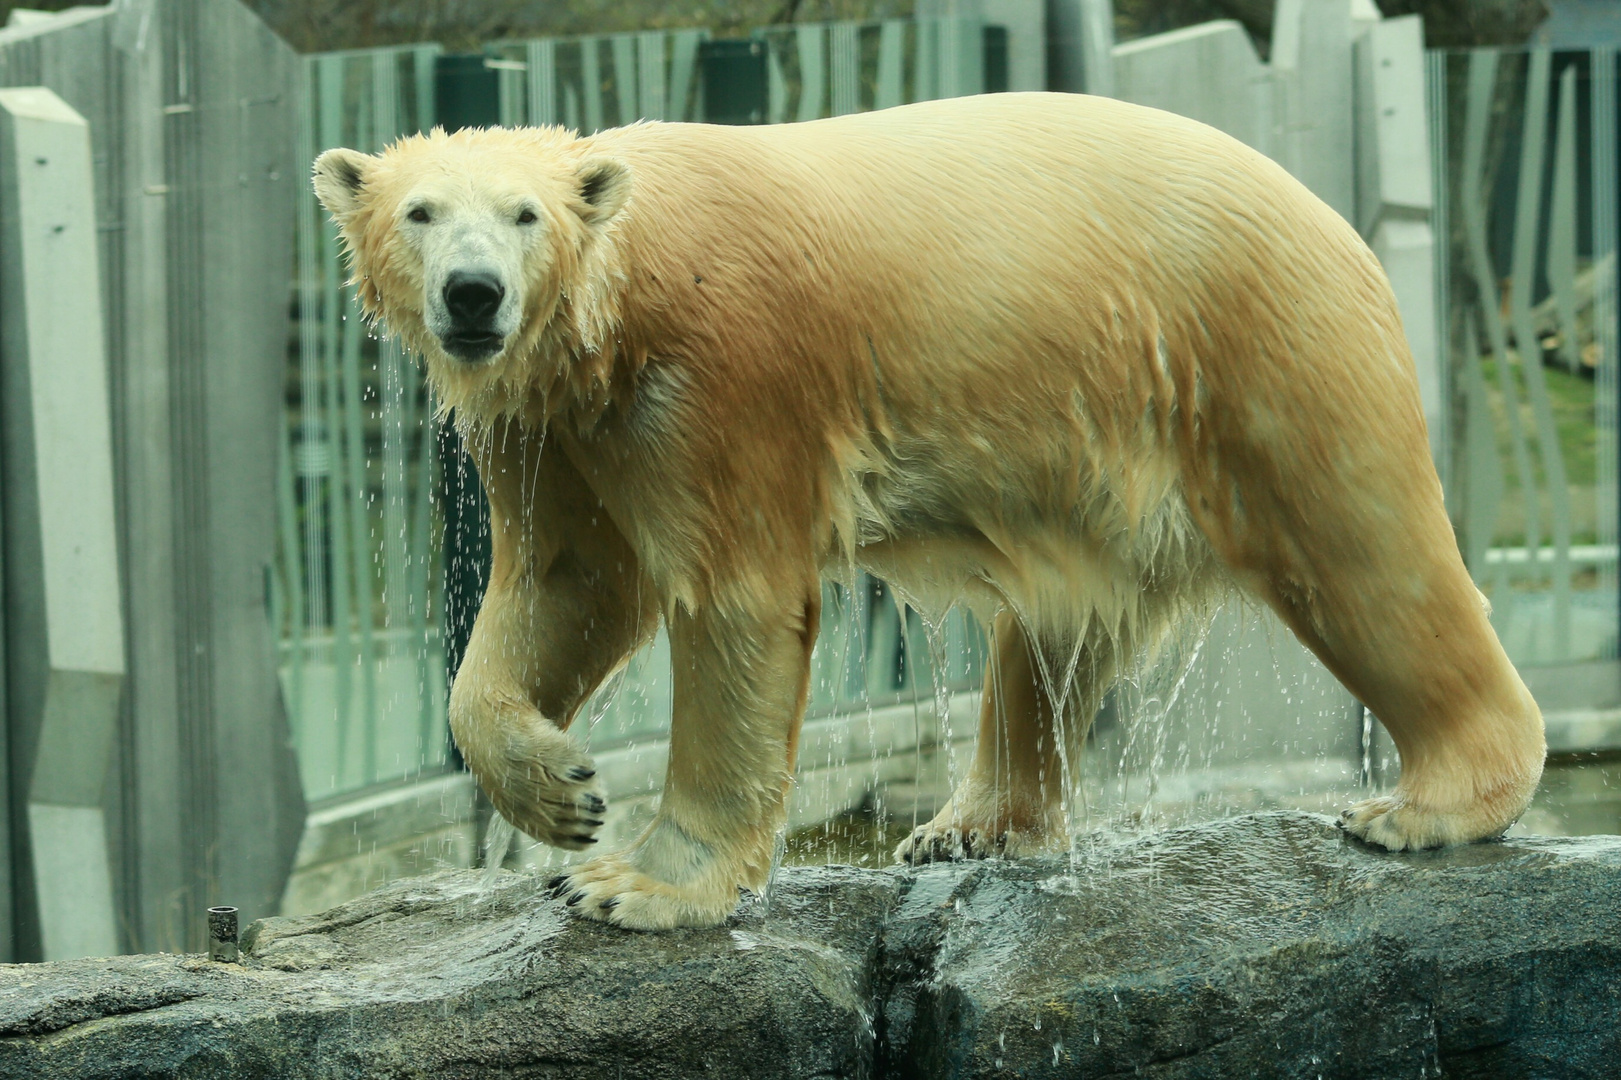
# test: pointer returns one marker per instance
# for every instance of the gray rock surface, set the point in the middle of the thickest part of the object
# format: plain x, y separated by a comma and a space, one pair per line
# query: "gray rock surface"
1263, 946
1268, 945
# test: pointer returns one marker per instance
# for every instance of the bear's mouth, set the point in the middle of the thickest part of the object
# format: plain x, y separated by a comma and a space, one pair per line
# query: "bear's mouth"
471, 346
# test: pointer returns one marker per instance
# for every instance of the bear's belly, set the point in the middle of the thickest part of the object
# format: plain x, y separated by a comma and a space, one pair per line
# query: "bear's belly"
1058, 567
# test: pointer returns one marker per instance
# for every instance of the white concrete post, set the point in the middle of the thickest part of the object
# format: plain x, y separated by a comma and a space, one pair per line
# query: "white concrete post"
1210, 73
1097, 46
1312, 114
1394, 198
64, 621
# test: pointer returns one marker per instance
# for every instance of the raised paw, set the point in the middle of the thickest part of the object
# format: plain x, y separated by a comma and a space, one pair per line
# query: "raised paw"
542, 782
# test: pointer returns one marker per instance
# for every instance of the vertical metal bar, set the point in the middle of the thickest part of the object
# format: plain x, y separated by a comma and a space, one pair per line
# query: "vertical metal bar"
591, 82
1477, 121
310, 571
362, 535
542, 60
1602, 89
846, 68
430, 713
776, 110
962, 56
289, 620
1485, 468
1435, 83
423, 58
926, 62
572, 112
891, 64
811, 41
1561, 260
857, 618
314, 458
332, 109
512, 96
683, 63
622, 49
393, 377
1527, 211
1097, 44
650, 78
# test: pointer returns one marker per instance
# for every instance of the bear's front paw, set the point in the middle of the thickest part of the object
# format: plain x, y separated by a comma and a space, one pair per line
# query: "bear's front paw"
544, 784
931, 843
667, 878
1396, 824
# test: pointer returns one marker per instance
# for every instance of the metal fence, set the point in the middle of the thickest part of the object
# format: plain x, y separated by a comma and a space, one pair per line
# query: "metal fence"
360, 585
1524, 152
355, 599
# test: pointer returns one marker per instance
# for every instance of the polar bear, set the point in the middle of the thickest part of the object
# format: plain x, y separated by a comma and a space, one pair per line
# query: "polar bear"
1078, 364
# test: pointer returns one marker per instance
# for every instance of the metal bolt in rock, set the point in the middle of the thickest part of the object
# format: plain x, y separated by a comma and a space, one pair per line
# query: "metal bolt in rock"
222, 934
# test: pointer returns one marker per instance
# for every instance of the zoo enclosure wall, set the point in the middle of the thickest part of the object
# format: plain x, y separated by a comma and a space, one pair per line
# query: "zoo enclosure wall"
286, 542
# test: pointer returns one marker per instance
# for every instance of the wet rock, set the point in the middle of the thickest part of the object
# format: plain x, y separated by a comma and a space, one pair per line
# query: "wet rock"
444, 977
1268, 945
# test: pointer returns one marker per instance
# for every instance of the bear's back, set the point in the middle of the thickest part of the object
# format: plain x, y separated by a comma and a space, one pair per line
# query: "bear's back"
999, 209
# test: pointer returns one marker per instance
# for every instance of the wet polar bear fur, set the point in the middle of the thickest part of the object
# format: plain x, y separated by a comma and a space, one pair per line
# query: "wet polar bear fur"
1076, 363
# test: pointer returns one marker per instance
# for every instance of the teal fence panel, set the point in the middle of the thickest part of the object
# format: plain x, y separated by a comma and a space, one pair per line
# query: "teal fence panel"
362, 659
1523, 144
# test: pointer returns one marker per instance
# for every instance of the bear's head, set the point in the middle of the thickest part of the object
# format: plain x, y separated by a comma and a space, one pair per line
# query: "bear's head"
486, 251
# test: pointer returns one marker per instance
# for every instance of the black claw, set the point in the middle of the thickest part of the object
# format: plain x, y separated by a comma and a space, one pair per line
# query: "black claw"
557, 886
575, 899
609, 904
593, 822
580, 772
595, 805
583, 839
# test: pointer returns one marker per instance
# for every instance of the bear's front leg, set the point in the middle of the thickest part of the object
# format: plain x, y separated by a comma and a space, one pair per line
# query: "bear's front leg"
740, 679
542, 642
564, 607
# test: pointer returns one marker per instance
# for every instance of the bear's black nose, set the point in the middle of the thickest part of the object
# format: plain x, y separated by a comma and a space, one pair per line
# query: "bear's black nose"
471, 298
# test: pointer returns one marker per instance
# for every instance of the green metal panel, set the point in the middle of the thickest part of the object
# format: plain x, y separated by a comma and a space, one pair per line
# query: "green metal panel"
1532, 478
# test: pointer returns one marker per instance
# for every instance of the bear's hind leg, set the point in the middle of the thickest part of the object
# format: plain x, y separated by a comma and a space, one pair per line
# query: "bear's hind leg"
1388, 606
1012, 800
1469, 733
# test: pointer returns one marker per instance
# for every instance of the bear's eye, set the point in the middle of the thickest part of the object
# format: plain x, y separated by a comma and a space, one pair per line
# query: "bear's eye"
418, 215
526, 218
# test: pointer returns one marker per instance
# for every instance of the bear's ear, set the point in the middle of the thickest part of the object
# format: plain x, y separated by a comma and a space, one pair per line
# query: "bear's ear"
604, 187
339, 176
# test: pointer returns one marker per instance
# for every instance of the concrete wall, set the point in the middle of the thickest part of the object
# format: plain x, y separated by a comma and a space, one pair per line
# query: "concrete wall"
190, 105
64, 618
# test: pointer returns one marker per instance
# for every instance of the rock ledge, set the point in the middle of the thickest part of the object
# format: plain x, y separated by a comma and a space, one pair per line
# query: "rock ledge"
1268, 945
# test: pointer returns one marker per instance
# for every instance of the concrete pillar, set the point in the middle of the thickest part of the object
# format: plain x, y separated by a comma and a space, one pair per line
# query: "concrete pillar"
1210, 73
1080, 41
64, 619
1393, 194
1312, 113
